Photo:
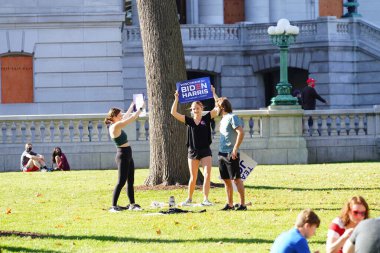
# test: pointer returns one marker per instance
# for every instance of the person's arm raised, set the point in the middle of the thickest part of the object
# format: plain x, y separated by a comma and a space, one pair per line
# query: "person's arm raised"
132, 117
129, 111
214, 112
174, 112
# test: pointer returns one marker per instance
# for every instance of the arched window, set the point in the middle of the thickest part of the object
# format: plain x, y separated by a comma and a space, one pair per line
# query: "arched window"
16, 78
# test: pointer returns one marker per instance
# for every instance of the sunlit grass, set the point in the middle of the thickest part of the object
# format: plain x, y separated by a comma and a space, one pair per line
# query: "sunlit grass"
70, 210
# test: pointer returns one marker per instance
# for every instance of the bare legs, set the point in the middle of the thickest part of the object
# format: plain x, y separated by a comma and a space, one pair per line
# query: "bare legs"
229, 191
193, 168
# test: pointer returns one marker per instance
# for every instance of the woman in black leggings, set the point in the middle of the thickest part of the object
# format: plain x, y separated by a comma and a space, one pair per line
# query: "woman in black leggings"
124, 160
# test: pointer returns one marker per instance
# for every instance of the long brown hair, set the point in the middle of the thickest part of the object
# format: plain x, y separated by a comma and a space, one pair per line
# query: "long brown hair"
113, 112
356, 200
56, 152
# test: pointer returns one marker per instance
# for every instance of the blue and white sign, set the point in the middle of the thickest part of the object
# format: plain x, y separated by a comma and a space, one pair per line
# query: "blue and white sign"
247, 164
194, 90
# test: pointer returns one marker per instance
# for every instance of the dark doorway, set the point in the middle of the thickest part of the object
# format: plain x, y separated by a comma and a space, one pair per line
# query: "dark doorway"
296, 77
209, 103
181, 10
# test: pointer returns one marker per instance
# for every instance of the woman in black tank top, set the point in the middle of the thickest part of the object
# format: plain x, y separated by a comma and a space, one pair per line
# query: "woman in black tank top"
124, 161
198, 144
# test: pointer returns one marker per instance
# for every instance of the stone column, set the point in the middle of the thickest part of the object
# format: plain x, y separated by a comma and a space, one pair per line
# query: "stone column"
276, 10
211, 12
192, 12
135, 15
257, 11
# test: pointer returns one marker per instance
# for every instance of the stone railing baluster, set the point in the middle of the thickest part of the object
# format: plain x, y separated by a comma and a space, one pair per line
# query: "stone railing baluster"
4, 132
146, 126
100, 129
257, 125
61, 128
52, 131
365, 125
328, 125
42, 131
80, 129
138, 126
23, 132
32, 132
356, 124
251, 124
14, 132
347, 123
89, 128
71, 131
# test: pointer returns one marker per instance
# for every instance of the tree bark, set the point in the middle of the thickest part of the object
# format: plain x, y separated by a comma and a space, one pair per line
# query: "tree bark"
164, 67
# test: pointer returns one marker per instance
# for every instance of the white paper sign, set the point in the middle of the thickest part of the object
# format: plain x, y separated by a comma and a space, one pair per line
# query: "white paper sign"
138, 99
247, 164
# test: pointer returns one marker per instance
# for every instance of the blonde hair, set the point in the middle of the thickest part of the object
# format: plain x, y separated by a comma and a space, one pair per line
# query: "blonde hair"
197, 103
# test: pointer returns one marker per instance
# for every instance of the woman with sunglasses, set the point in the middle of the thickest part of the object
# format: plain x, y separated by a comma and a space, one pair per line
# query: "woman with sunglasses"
354, 211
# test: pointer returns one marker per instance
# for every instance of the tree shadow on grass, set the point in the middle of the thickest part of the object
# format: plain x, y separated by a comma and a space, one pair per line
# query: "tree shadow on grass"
132, 239
23, 249
267, 187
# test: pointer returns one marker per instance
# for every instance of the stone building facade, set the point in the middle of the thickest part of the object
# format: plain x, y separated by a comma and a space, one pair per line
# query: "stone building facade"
70, 57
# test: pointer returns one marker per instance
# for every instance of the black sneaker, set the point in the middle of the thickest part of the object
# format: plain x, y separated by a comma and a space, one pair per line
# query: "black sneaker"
227, 208
241, 208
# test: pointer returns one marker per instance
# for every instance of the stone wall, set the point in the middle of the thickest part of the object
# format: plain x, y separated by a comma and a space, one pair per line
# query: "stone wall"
278, 135
76, 48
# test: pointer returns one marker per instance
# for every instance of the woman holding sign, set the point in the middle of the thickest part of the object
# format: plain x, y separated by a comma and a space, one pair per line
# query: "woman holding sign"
126, 168
198, 144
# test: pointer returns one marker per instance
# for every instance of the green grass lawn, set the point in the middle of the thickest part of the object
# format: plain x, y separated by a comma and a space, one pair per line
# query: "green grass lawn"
70, 210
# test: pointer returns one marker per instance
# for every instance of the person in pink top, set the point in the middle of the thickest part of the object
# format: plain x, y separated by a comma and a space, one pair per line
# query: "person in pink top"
354, 211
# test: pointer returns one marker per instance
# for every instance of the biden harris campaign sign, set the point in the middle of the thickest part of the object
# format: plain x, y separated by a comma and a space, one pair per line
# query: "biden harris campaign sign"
194, 90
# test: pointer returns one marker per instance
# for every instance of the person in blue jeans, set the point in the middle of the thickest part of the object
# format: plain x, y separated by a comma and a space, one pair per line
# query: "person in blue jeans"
294, 240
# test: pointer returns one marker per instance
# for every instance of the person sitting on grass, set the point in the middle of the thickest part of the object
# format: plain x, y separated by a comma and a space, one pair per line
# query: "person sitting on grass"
294, 240
365, 238
354, 211
31, 161
59, 159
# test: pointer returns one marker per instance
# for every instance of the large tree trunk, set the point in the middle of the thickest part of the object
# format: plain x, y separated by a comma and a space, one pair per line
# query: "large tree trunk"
164, 66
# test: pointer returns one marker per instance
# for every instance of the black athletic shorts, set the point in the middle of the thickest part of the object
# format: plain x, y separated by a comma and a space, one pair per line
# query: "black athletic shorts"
198, 154
229, 168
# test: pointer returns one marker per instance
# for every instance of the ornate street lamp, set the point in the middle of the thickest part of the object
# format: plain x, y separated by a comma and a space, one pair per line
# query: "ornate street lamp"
282, 36
352, 9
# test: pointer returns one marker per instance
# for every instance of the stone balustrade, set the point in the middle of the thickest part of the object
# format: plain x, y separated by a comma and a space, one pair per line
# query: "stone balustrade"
246, 34
283, 136
348, 122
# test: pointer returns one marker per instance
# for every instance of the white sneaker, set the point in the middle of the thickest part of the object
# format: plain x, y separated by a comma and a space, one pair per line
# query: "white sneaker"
135, 207
187, 202
115, 209
207, 203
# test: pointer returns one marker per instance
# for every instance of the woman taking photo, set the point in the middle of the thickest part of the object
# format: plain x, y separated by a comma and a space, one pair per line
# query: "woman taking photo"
124, 161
